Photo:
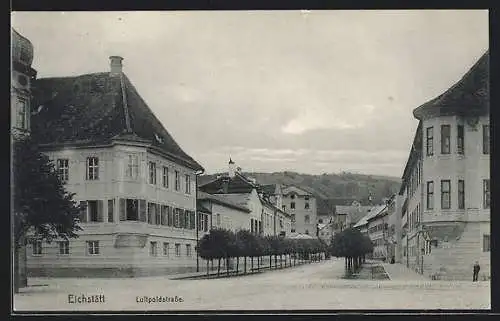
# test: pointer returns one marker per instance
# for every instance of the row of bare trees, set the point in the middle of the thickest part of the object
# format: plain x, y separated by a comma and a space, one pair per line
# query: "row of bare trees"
222, 244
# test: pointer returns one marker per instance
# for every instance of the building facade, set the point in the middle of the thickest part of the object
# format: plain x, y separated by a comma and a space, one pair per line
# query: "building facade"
378, 231
446, 182
301, 205
136, 186
22, 77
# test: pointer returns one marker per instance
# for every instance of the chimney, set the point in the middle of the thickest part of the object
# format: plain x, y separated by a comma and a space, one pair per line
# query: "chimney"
232, 168
116, 65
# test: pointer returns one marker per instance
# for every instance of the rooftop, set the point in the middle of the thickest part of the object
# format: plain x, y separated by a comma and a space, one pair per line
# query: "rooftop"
97, 109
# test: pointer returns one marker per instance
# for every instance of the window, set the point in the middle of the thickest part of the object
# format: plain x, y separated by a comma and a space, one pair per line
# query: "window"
188, 250
486, 139
177, 181
283, 207
92, 168
165, 248
63, 169
152, 249
93, 247
281, 223
111, 210
307, 232
486, 193
292, 196
21, 113
64, 247
430, 141
292, 205
205, 223
188, 183
131, 210
164, 214
486, 243
152, 173
177, 249
306, 219
133, 166
461, 194
445, 139
292, 230
460, 139
165, 177
292, 217
218, 220
95, 211
83, 211
445, 194
430, 195
306, 198
37, 247
320, 221
306, 205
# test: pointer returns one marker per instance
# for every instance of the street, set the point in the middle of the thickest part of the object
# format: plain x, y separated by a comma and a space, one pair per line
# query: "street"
310, 286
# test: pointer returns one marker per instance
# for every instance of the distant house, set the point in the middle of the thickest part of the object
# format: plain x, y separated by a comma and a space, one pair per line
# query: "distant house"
136, 185
301, 204
348, 216
240, 190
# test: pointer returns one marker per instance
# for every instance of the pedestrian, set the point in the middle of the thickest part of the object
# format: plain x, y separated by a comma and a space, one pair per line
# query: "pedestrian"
475, 270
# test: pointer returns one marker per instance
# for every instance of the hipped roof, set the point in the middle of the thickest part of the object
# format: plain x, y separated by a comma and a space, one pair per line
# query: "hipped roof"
95, 109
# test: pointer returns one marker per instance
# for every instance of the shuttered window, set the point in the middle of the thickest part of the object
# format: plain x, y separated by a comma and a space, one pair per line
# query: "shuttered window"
123, 209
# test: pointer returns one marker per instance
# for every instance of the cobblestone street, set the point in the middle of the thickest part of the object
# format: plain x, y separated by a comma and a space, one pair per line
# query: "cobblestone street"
310, 286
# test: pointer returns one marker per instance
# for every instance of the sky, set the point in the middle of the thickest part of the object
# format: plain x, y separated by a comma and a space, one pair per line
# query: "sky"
306, 91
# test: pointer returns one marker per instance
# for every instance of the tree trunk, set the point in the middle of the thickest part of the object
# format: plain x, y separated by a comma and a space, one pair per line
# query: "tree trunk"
258, 263
251, 258
20, 266
227, 266
275, 261
218, 268
208, 268
270, 262
237, 264
245, 268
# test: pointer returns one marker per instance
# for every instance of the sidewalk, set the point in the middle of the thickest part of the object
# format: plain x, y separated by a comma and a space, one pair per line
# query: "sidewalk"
398, 271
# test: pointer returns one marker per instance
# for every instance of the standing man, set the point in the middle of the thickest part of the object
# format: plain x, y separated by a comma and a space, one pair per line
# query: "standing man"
476, 270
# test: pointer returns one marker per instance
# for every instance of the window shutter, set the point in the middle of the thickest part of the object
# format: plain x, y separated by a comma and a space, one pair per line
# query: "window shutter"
169, 216
192, 221
83, 211
100, 211
158, 214
111, 210
182, 219
123, 209
142, 210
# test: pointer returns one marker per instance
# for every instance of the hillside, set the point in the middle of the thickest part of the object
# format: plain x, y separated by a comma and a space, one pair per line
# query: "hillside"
331, 189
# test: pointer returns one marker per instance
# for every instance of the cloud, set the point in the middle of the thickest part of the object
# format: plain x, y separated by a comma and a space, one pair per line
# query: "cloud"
311, 87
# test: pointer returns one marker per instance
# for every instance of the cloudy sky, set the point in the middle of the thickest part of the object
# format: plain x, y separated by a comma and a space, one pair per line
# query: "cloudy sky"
309, 91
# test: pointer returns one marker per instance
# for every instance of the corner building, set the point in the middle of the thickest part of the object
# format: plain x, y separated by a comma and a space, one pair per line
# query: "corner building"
137, 187
446, 182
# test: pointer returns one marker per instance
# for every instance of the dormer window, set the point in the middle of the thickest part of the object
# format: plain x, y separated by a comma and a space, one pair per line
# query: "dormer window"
292, 196
158, 139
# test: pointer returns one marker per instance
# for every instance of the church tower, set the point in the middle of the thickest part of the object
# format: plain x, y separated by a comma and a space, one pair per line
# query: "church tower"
22, 77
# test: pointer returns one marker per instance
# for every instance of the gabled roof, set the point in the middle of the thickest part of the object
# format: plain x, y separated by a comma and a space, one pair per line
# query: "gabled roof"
221, 200
469, 96
289, 189
228, 185
201, 208
373, 212
95, 109
238, 199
